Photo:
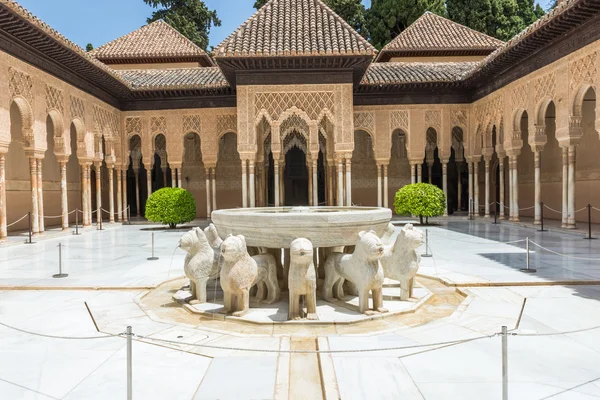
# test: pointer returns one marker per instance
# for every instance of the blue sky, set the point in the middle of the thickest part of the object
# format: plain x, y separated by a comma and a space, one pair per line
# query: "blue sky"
99, 22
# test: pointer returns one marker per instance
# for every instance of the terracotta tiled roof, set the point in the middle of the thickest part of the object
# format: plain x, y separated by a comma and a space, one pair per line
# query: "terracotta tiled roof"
294, 28
397, 73
432, 33
157, 40
175, 79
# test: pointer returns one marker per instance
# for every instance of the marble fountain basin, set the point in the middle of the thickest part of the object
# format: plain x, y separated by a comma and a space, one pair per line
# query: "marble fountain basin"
277, 227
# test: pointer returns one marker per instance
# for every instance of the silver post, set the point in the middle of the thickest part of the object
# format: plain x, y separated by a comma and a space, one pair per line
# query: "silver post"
60, 273
527, 269
426, 244
504, 363
152, 258
129, 365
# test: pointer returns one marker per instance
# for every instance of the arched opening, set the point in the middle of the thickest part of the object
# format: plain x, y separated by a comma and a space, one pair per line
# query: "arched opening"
399, 167
458, 174
229, 172
74, 193
18, 188
551, 168
364, 170
193, 173
161, 172
587, 185
51, 177
295, 172
526, 171
432, 166
136, 187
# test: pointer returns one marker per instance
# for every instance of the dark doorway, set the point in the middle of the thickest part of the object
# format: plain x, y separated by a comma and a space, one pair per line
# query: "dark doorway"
296, 178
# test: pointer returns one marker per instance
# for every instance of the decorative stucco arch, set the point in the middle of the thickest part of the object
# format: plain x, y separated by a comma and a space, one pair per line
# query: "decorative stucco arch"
26, 115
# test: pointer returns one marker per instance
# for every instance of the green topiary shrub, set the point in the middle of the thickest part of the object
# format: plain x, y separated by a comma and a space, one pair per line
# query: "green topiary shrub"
420, 199
171, 206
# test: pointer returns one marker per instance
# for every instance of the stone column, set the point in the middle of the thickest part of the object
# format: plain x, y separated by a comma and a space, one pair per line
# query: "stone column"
64, 202
487, 187
119, 194
83, 196
348, 182
252, 184
310, 181
137, 191
208, 197
331, 172
571, 200
501, 185
429, 171
565, 187
379, 186
173, 177
419, 173
471, 189
98, 166
40, 188
149, 179
124, 189
386, 194
244, 184
179, 176
476, 188
511, 192
3, 223
88, 185
537, 220
35, 228
413, 173
340, 183
315, 183
445, 184
282, 183
515, 178
111, 194
214, 188
276, 182
459, 172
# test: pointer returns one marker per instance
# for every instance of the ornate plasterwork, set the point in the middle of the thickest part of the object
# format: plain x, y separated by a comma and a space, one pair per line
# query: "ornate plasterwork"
77, 108
364, 121
192, 123
158, 125
226, 123
312, 103
20, 84
294, 123
583, 70
545, 86
519, 97
399, 120
295, 139
459, 118
54, 99
133, 126
433, 119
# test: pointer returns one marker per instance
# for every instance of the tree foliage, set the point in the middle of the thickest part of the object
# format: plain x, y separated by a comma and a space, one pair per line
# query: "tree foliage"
190, 17
351, 11
89, 47
171, 206
420, 199
386, 19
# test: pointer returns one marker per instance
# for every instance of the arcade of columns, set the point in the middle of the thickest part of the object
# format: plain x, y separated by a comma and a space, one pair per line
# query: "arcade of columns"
491, 132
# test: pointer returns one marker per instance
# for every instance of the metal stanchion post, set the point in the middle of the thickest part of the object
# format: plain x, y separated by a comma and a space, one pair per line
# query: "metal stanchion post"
129, 365
427, 254
30, 233
589, 237
153, 258
504, 363
60, 273
129, 215
542, 215
76, 223
527, 269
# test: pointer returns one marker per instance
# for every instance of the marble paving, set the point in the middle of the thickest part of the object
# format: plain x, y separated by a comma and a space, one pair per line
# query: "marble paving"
225, 360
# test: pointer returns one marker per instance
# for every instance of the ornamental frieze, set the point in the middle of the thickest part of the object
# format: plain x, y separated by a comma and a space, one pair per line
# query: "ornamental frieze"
583, 70
312, 103
54, 99
20, 84
399, 120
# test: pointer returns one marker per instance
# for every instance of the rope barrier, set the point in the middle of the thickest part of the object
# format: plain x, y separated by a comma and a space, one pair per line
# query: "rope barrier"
594, 208
60, 216
581, 209
105, 336
557, 333
484, 243
16, 222
552, 209
526, 208
563, 255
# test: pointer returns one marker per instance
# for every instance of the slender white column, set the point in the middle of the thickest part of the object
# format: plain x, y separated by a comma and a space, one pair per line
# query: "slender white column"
173, 177
276, 181
34, 195
40, 188
149, 180
511, 190
214, 188
459, 172
501, 185
330, 180
119, 194
208, 197
445, 185
515, 189
315, 183
571, 201
244, 184
111, 195
3, 223
471, 189
386, 193
137, 192
178, 177
419, 173
84, 203
64, 206
537, 189
282, 184
348, 182
379, 185
98, 166
340, 183
413, 173
88, 183
565, 187
476, 187
252, 184
310, 182
124, 190
487, 188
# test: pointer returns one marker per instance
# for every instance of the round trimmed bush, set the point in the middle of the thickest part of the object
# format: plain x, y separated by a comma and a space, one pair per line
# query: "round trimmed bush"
420, 199
171, 206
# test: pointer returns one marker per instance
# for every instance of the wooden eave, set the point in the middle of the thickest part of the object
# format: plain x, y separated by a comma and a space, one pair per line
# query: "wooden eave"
387, 55
204, 61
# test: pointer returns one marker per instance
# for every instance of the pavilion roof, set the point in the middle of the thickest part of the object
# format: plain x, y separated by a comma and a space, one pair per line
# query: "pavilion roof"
157, 41
175, 78
435, 35
399, 73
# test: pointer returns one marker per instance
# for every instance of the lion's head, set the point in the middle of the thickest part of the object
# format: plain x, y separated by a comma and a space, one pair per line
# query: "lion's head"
193, 241
301, 250
234, 248
410, 238
368, 246
387, 235
212, 235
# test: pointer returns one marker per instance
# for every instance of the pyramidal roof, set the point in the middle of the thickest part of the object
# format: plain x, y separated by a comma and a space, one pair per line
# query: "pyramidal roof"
157, 41
294, 28
434, 34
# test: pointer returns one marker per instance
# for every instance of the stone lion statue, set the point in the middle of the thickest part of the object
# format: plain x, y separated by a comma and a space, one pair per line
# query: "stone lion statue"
215, 241
239, 271
386, 239
266, 279
302, 280
362, 268
401, 261
199, 262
